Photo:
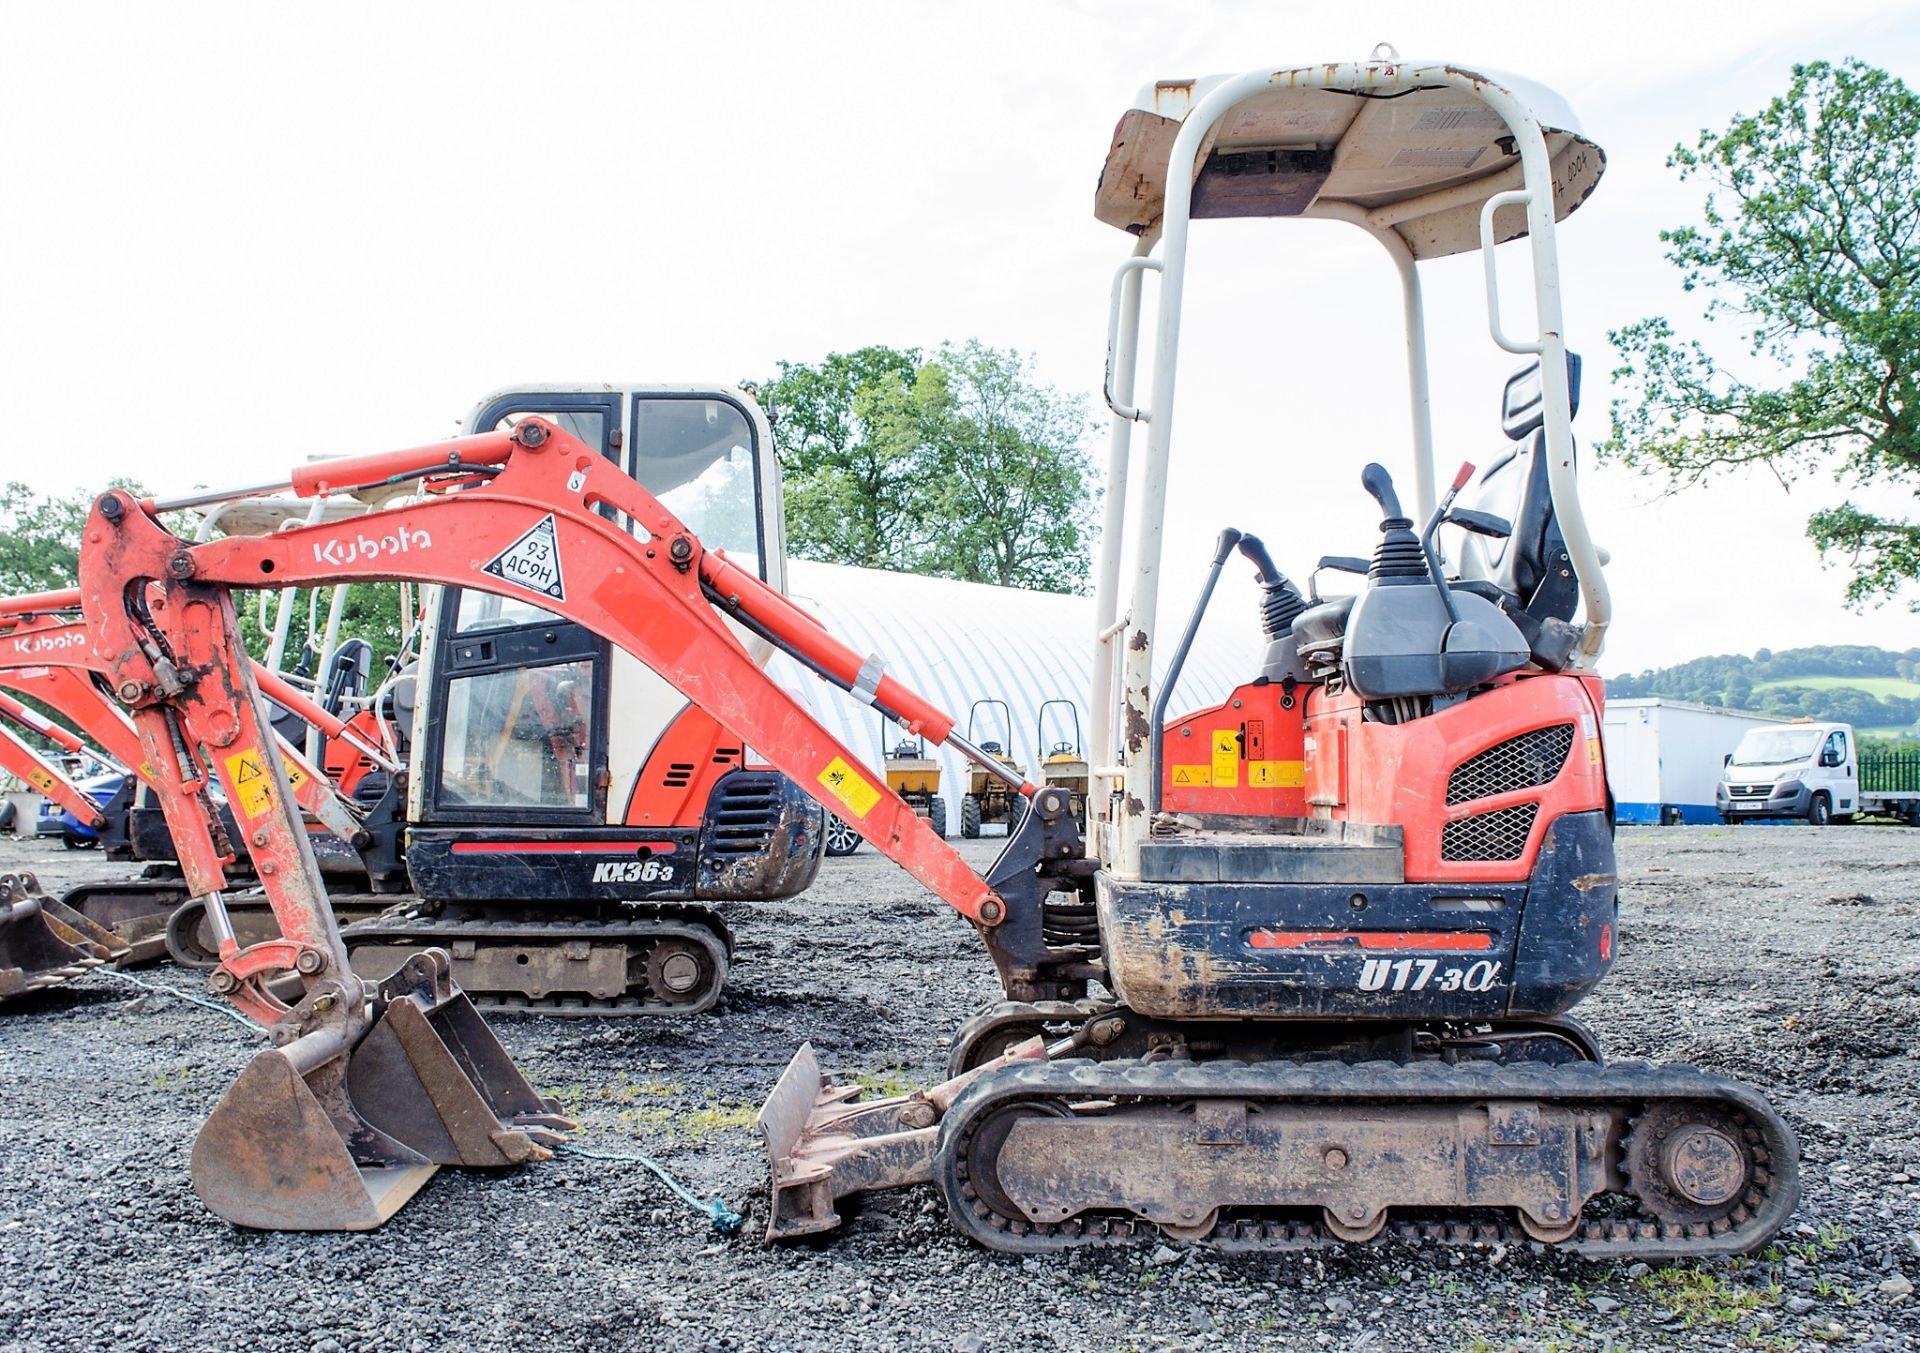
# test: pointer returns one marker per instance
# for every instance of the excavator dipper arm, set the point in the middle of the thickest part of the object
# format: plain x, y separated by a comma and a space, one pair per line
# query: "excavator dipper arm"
363, 1094
52, 658
17, 758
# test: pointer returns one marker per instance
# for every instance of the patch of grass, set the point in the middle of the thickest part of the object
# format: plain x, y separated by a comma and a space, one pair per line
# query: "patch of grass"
1698, 1297
885, 1083
174, 1078
1872, 685
642, 1106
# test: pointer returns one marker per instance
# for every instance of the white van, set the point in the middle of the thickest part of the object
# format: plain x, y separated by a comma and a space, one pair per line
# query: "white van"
1808, 770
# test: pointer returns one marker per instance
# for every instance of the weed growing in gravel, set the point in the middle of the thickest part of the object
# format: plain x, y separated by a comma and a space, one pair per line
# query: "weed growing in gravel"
639, 1109
176, 1078
1698, 1297
885, 1083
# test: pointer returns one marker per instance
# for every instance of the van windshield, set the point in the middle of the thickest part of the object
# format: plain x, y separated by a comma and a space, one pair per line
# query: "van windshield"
1777, 746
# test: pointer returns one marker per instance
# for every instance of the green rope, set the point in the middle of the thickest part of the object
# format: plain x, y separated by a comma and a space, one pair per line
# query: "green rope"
725, 1220
160, 990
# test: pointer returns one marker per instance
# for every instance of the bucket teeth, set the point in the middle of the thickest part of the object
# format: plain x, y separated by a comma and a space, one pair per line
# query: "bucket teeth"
45, 943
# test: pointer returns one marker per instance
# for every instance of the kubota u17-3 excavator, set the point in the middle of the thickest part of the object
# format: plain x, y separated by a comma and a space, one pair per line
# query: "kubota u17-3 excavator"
1335, 976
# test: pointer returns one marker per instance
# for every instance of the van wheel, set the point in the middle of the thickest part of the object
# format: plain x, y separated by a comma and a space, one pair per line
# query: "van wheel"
1820, 811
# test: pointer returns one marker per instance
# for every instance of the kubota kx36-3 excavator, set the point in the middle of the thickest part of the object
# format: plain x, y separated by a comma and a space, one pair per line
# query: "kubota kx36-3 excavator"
1335, 975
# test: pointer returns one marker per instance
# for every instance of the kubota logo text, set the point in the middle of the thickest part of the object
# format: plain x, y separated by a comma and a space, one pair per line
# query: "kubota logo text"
363, 547
57, 642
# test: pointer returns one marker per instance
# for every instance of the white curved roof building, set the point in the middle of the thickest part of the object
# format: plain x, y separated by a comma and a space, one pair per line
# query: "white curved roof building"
957, 642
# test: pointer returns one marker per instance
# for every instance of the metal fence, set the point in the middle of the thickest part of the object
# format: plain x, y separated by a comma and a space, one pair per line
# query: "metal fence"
1889, 772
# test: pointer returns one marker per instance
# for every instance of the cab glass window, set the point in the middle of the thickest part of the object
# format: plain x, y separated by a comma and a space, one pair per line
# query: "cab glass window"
697, 456
519, 738
487, 611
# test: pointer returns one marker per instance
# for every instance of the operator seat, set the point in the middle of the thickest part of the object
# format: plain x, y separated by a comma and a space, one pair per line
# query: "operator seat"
1528, 571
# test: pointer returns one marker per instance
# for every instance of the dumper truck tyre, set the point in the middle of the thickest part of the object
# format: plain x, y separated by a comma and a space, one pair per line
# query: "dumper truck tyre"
937, 817
970, 816
1820, 810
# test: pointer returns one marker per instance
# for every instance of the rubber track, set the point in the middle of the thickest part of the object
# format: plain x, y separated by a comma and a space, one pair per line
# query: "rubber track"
401, 926
1629, 1085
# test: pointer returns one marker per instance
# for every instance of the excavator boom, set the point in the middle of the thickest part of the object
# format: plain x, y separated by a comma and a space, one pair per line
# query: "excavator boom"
520, 513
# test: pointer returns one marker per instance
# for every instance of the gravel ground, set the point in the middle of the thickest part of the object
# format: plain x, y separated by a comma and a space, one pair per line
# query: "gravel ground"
1787, 956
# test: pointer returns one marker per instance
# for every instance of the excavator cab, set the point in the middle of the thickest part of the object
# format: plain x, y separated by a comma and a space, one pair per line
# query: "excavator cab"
559, 781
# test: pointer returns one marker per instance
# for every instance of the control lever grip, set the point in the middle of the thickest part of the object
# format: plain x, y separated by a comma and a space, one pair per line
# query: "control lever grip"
1481, 523
1378, 483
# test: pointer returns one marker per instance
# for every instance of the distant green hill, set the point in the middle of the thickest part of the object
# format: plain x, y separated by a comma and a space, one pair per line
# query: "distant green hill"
1898, 687
1875, 689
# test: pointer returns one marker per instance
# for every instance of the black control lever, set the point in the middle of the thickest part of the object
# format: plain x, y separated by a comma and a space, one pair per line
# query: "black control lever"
1377, 482
1481, 523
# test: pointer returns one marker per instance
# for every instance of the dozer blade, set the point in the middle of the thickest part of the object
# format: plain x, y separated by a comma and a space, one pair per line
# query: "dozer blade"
44, 942
326, 1133
823, 1144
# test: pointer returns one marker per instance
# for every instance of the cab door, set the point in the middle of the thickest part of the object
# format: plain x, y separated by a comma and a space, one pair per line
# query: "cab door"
1842, 770
519, 695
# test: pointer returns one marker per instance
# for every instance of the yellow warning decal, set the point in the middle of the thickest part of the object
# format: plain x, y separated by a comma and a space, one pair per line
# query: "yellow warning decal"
41, 780
295, 776
252, 791
1277, 774
1226, 758
849, 786
146, 771
1193, 776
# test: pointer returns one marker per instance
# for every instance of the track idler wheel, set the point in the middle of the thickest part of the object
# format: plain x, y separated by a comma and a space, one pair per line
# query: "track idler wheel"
687, 973
350, 1113
1693, 1165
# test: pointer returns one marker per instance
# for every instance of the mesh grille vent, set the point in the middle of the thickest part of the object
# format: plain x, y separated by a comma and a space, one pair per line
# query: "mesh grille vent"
1518, 763
1499, 835
744, 814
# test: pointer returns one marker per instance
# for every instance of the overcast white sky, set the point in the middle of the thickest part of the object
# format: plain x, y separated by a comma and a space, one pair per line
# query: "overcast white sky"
238, 235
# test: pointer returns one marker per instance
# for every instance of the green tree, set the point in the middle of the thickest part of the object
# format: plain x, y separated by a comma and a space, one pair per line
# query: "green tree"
960, 465
851, 497
40, 537
1008, 471
1811, 244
